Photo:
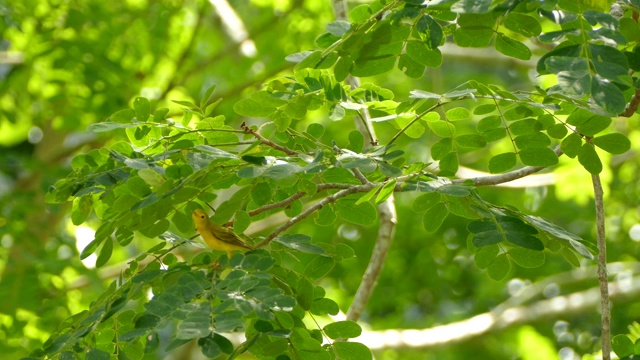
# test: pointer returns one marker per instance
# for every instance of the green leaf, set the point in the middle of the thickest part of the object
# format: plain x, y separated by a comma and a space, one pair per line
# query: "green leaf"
206, 97
191, 328
108, 126
302, 340
485, 256
209, 347
156, 228
570, 256
526, 258
304, 294
81, 209
612, 143
340, 175
373, 66
91, 248
558, 64
261, 193
426, 201
607, 96
338, 27
594, 125
251, 108
176, 343
470, 141
386, 191
187, 104
484, 109
576, 83
489, 123
95, 354
499, 268
142, 108
356, 141
421, 54
299, 242
105, 253
432, 30
342, 329
342, 68
476, 36
557, 131
622, 345
242, 221
517, 113
151, 177
319, 267
441, 148
495, 134
589, 159
410, 66
360, 13
511, 47
571, 145
458, 113
487, 238
124, 236
557, 232
308, 60
474, 7
538, 157
530, 141
352, 351
522, 127
123, 117
324, 306
479, 226
434, 217
362, 214
326, 216
449, 164
522, 24
524, 240
502, 162
455, 190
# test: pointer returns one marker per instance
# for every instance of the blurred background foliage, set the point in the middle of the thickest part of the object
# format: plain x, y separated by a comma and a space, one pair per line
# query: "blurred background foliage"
67, 64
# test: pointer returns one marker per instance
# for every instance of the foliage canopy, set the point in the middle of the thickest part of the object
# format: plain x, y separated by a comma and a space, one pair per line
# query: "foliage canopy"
286, 164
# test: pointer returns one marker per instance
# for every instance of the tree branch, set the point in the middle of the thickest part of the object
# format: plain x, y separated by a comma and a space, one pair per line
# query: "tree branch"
479, 325
386, 209
602, 269
632, 106
506, 177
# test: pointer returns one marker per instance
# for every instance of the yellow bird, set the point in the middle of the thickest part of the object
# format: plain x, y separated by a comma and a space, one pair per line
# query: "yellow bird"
216, 236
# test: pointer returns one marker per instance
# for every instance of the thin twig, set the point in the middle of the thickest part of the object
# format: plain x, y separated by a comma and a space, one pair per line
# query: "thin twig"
602, 269
418, 117
360, 176
266, 141
296, 196
317, 206
278, 204
632, 106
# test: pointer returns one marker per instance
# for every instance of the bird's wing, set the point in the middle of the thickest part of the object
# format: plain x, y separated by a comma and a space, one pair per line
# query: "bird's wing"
228, 236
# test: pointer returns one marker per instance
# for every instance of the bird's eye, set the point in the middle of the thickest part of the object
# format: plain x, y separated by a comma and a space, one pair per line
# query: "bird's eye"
201, 216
